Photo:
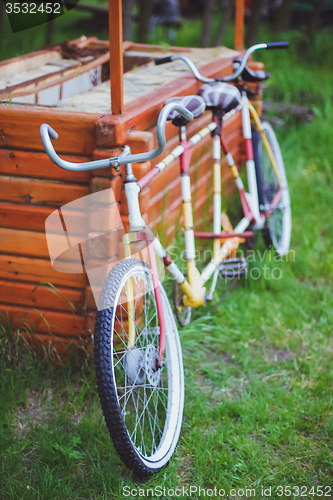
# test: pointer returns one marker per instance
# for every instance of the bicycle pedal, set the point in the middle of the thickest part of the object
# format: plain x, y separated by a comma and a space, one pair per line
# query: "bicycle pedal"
231, 268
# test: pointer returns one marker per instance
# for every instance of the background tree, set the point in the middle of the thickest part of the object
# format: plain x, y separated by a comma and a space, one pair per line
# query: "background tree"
207, 23
127, 19
283, 16
145, 12
254, 23
314, 23
227, 15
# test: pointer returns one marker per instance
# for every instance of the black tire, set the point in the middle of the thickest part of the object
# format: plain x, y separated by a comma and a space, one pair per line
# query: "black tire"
182, 313
127, 375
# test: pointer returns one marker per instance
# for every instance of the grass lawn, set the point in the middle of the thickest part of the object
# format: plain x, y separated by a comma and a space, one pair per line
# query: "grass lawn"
258, 372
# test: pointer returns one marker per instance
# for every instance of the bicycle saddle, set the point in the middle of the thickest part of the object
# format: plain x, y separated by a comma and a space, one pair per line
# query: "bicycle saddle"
249, 75
220, 96
193, 103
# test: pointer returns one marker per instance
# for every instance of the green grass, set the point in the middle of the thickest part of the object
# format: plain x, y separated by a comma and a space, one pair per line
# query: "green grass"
258, 409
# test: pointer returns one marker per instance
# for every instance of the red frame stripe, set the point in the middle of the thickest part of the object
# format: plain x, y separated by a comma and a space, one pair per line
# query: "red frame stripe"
249, 149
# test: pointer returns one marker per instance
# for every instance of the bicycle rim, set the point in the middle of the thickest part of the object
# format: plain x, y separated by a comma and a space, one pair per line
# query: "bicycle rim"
279, 216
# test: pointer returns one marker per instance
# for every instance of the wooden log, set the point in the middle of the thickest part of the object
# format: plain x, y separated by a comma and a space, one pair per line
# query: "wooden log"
102, 245
116, 56
38, 165
105, 218
300, 113
36, 85
43, 321
34, 217
30, 295
109, 189
31, 191
61, 346
24, 269
20, 126
34, 244
23, 63
239, 24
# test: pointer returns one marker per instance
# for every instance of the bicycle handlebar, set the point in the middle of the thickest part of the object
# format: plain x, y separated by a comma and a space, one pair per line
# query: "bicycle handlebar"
277, 45
125, 157
250, 50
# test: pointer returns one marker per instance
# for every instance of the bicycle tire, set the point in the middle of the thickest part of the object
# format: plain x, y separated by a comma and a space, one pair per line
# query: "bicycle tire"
277, 231
128, 372
182, 313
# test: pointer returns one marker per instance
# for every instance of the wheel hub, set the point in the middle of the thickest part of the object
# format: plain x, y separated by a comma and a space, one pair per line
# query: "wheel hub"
151, 363
134, 366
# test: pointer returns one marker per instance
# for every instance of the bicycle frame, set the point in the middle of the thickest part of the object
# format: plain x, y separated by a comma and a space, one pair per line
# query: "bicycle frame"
194, 289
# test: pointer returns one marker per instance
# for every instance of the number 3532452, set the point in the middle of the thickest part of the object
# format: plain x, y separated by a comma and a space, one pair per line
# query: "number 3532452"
33, 8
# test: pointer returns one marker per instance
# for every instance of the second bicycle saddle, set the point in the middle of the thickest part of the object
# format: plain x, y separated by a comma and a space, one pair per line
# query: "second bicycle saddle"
193, 103
249, 75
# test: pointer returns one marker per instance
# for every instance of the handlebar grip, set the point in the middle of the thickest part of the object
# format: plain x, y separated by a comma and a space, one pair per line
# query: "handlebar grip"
163, 60
277, 45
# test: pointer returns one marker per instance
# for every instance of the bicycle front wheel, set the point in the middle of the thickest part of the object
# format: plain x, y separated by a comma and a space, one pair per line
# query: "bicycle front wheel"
142, 403
274, 199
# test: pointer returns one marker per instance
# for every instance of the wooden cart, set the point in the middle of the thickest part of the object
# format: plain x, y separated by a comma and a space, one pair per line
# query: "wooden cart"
73, 96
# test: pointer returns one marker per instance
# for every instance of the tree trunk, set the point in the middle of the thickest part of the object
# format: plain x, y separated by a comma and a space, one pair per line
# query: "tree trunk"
127, 19
254, 24
283, 15
146, 8
225, 22
2, 10
207, 23
315, 19
48, 30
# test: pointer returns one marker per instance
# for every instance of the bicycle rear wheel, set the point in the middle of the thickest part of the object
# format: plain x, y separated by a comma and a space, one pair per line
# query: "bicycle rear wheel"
142, 404
278, 214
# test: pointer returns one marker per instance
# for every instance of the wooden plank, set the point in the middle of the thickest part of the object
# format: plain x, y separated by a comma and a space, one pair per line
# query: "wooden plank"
62, 345
43, 321
19, 129
26, 294
145, 47
33, 218
41, 83
116, 56
31, 243
15, 268
239, 25
23, 63
30, 164
36, 192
